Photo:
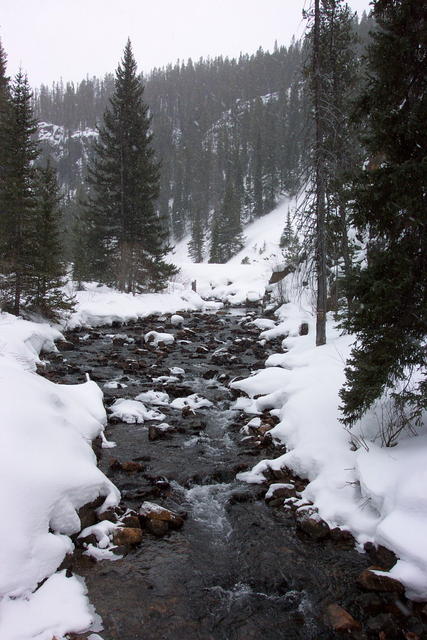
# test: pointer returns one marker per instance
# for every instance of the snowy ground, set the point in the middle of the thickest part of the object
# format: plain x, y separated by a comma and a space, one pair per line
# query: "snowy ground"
49, 469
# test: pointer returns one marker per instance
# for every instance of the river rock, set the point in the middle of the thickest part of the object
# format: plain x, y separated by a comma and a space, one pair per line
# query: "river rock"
340, 620
151, 515
87, 513
131, 520
384, 623
127, 536
65, 345
380, 556
129, 466
312, 525
159, 431
374, 582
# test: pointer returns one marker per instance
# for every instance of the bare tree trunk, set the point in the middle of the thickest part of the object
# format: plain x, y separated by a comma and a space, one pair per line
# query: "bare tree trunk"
320, 185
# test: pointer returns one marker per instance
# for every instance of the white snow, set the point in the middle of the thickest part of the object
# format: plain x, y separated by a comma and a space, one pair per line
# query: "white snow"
133, 411
154, 337
48, 472
101, 305
194, 401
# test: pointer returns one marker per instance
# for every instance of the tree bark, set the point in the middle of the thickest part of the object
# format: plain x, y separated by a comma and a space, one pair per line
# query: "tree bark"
320, 185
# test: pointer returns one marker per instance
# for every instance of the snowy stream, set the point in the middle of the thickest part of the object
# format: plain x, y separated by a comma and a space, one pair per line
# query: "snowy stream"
238, 569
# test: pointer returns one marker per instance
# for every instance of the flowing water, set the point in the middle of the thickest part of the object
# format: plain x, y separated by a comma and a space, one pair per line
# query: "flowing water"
238, 569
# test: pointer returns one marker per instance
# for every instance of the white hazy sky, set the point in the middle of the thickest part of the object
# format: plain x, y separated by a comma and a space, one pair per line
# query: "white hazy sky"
51, 39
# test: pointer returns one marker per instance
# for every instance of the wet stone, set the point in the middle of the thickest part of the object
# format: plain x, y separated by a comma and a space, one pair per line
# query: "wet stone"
127, 536
374, 582
340, 620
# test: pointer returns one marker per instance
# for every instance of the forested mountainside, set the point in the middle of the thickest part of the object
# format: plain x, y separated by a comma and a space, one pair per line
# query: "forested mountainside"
220, 127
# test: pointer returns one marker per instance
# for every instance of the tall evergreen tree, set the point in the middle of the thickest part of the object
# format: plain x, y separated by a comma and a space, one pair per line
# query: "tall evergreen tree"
390, 202
17, 200
45, 291
127, 234
331, 80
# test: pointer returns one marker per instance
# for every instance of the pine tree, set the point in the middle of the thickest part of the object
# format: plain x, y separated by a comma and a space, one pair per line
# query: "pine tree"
330, 85
17, 200
289, 242
46, 294
226, 235
125, 231
389, 291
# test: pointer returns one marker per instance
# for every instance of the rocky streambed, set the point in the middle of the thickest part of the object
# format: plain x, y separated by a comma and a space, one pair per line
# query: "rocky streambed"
222, 560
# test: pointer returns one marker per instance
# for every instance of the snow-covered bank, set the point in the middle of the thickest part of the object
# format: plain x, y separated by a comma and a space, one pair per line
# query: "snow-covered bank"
48, 472
100, 305
376, 493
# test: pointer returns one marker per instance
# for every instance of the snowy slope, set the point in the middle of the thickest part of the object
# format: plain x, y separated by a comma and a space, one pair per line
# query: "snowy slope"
234, 282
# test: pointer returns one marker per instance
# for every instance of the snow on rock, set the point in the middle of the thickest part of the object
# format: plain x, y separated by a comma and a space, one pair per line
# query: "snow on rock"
154, 338
133, 411
48, 472
263, 323
177, 320
159, 398
193, 401
263, 382
230, 285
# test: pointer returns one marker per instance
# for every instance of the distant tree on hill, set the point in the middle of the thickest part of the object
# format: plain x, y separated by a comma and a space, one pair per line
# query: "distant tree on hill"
126, 235
226, 234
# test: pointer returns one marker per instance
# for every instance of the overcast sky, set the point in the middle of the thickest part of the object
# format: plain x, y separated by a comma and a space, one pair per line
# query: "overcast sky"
51, 39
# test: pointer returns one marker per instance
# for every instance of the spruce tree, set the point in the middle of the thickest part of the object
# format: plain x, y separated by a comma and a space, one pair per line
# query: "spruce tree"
45, 291
17, 202
124, 229
389, 291
226, 234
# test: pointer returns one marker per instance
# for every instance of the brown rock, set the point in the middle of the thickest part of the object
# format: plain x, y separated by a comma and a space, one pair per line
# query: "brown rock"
65, 345
132, 466
131, 521
312, 526
127, 536
187, 411
340, 620
87, 513
380, 556
149, 512
108, 514
157, 527
282, 493
373, 582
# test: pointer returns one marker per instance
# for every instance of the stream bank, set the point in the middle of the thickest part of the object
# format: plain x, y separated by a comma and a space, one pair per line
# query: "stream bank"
239, 568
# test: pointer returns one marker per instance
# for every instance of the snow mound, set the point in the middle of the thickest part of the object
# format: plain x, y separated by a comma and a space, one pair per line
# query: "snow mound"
48, 472
133, 411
